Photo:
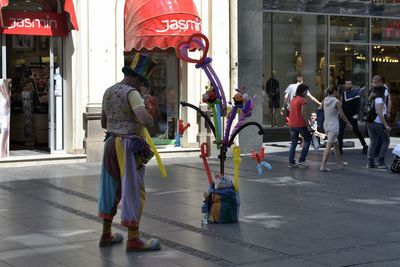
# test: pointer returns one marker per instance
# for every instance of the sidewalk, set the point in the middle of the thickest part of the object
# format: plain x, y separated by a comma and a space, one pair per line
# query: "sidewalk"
288, 217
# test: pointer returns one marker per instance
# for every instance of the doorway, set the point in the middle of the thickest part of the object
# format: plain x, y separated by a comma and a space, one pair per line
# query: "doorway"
28, 67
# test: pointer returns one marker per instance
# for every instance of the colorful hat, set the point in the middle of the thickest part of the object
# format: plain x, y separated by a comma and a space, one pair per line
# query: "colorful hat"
140, 64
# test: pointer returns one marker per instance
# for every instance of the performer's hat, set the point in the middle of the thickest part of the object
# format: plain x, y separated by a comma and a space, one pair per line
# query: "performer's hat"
139, 64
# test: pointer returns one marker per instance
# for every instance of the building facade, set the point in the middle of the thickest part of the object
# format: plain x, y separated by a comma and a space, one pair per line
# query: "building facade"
60, 111
251, 41
328, 42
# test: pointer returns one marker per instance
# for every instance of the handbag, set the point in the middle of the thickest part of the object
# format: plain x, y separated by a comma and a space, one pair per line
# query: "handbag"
320, 119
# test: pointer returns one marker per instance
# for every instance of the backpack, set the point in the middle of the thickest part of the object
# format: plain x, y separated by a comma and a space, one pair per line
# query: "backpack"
223, 205
395, 167
370, 112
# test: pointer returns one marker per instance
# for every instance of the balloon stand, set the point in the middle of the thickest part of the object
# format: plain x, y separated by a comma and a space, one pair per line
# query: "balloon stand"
221, 202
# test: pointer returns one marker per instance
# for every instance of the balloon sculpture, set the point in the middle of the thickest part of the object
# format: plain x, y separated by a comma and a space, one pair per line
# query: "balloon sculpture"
179, 134
215, 98
259, 157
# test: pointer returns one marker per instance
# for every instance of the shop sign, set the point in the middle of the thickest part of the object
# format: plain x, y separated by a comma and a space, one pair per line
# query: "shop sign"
184, 24
179, 25
34, 23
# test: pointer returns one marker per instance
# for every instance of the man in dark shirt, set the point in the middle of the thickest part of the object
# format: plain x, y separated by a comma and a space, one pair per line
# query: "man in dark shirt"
351, 105
272, 90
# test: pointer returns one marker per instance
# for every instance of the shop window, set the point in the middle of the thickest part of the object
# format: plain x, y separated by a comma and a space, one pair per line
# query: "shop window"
293, 44
163, 95
33, 5
349, 62
385, 30
349, 29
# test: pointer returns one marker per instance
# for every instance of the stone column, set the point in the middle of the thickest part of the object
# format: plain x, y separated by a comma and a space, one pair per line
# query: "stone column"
250, 62
102, 68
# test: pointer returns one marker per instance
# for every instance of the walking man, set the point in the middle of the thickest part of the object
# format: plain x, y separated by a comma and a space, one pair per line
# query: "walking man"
351, 107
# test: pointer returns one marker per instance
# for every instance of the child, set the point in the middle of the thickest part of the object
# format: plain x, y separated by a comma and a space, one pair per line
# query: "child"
316, 136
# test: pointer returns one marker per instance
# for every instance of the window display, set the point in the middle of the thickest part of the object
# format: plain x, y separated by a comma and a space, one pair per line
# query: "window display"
163, 96
294, 44
385, 30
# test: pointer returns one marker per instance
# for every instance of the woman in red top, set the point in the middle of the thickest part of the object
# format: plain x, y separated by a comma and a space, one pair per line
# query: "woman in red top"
298, 124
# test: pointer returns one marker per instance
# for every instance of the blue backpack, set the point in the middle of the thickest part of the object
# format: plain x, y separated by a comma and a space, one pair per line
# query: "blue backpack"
223, 205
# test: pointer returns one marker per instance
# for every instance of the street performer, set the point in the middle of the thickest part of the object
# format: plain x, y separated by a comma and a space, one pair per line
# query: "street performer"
125, 117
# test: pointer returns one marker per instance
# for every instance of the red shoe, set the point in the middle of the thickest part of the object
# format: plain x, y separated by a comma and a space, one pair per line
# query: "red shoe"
107, 240
139, 244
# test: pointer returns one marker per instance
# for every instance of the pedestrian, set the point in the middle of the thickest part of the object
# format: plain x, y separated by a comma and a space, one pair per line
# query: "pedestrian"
298, 124
125, 117
316, 135
351, 107
272, 89
378, 130
378, 80
332, 110
290, 92
5, 110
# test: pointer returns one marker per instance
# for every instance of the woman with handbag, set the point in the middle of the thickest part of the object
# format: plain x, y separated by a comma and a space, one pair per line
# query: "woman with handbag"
378, 129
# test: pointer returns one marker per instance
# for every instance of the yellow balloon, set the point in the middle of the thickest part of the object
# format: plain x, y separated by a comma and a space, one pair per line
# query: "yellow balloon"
236, 165
155, 152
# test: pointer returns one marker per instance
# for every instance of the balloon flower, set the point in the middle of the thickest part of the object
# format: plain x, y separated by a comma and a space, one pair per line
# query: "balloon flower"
181, 129
259, 157
216, 100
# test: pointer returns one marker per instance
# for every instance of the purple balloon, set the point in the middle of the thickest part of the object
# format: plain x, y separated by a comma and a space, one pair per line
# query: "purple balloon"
232, 116
219, 86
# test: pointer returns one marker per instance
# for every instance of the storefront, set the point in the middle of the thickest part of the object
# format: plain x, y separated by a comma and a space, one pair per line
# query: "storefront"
328, 42
32, 56
101, 54
156, 28
90, 60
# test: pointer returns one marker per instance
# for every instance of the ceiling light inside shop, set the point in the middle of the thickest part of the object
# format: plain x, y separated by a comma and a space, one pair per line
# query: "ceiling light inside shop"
27, 1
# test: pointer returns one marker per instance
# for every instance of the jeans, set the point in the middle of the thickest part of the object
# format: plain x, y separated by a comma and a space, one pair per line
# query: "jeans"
342, 126
294, 138
377, 131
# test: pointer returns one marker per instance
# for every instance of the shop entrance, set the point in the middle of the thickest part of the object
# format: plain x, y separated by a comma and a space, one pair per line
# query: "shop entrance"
32, 58
31, 63
29, 93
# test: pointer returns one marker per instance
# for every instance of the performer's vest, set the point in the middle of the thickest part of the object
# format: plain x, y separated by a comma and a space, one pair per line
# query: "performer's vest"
120, 117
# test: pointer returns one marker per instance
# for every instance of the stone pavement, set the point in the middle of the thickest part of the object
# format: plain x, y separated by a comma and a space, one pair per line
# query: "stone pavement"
288, 217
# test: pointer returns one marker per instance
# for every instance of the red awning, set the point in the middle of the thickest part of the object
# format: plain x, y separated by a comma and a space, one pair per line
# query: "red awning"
159, 24
3, 3
68, 8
